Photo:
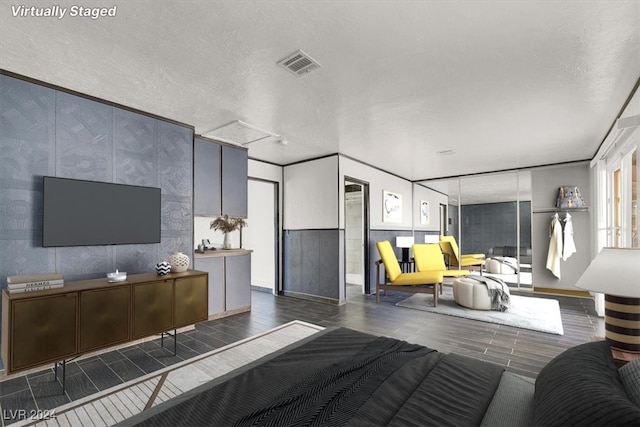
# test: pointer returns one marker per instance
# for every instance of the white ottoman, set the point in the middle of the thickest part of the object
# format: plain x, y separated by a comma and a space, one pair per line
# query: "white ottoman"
471, 294
501, 265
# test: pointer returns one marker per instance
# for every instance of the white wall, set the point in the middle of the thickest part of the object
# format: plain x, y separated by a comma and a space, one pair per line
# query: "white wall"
260, 235
378, 181
201, 231
263, 170
544, 184
311, 195
273, 173
434, 198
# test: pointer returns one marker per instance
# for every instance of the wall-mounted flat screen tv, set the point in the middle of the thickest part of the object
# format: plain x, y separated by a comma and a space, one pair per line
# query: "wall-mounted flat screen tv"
83, 213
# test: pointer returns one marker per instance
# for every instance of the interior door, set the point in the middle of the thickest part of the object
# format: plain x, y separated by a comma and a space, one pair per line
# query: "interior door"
356, 222
261, 234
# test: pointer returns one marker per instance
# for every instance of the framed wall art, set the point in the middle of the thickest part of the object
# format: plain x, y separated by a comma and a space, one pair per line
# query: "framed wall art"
391, 207
424, 212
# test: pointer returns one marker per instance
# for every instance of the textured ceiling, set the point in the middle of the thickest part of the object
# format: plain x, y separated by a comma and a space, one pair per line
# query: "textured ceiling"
504, 84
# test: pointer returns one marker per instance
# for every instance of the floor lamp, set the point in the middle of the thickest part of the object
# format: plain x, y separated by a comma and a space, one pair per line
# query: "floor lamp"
615, 272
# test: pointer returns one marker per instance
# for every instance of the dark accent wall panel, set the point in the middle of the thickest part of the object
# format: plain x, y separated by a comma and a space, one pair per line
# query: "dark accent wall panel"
488, 225
311, 262
137, 258
136, 149
234, 186
27, 143
206, 180
49, 132
84, 138
175, 166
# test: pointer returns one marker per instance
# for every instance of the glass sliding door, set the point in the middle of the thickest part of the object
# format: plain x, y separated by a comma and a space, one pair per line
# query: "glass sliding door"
491, 214
525, 260
490, 224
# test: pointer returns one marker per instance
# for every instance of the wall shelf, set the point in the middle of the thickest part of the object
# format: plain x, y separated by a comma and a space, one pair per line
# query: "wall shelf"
551, 210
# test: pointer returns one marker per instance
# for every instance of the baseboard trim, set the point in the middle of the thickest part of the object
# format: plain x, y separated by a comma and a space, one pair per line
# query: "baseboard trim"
229, 313
315, 298
261, 289
567, 292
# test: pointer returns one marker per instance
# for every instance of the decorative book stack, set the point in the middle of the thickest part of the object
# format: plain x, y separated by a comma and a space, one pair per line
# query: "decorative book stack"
40, 282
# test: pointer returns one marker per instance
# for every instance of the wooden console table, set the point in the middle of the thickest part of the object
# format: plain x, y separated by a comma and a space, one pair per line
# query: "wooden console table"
60, 324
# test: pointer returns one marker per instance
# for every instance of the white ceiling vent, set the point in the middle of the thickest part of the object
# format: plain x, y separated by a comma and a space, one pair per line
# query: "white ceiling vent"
299, 63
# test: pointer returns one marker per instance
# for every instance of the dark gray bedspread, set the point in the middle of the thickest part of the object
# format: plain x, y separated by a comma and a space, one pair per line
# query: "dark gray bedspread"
340, 377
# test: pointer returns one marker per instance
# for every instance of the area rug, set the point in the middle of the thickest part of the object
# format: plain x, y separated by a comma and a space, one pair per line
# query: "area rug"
536, 314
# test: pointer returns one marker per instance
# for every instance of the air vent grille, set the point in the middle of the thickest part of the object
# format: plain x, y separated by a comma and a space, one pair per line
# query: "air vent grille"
299, 63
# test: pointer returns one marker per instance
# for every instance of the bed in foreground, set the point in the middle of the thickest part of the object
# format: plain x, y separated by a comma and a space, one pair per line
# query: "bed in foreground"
344, 377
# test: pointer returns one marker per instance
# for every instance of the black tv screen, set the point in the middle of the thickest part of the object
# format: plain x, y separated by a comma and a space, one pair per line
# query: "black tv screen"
83, 213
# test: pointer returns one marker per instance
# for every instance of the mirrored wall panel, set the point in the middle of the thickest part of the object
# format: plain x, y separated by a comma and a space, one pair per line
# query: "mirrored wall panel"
490, 214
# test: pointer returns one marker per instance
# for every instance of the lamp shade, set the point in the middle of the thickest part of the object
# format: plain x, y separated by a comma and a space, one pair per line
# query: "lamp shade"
614, 271
404, 241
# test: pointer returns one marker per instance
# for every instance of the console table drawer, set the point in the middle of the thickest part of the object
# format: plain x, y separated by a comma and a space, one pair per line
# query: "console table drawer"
44, 330
192, 293
152, 308
104, 317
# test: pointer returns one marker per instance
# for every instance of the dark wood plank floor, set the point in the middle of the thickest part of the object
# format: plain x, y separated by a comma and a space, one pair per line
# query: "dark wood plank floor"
520, 351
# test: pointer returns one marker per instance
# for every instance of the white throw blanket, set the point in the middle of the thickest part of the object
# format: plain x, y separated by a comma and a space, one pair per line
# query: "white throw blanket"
498, 291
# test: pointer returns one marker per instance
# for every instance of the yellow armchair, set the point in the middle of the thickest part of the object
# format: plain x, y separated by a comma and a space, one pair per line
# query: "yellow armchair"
429, 257
395, 279
449, 246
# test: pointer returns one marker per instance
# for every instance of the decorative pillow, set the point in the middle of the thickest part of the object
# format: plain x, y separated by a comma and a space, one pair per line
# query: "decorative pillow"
582, 387
630, 376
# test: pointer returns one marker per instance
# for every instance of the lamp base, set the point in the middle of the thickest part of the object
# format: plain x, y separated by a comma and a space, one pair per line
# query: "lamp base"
405, 254
622, 323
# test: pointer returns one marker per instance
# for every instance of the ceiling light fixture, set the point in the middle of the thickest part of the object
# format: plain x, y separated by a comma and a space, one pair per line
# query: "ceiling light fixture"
446, 152
239, 132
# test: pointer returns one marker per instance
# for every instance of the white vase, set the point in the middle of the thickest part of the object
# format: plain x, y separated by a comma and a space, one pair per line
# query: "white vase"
226, 243
179, 262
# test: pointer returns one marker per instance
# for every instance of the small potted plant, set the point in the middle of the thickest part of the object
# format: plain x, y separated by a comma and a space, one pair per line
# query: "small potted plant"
227, 224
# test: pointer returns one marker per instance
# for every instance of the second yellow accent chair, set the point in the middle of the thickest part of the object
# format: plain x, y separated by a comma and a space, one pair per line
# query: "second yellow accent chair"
420, 282
449, 246
429, 257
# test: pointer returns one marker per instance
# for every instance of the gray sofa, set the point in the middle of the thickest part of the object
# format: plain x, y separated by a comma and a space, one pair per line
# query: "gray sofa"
580, 387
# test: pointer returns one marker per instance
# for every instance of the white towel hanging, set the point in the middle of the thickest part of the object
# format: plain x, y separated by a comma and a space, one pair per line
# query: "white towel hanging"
555, 246
568, 246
